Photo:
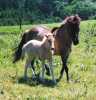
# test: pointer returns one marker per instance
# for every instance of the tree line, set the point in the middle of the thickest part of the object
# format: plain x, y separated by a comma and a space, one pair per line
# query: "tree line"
14, 12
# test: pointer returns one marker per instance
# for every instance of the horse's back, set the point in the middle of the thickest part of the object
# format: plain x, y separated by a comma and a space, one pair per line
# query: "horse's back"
37, 32
42, 30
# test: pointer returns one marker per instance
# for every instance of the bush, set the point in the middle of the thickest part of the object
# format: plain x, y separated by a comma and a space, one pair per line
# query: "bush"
92, 17
85, 9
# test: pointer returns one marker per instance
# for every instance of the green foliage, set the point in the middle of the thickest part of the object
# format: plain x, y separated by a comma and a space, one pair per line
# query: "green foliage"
85, 9
44, 11
90, 34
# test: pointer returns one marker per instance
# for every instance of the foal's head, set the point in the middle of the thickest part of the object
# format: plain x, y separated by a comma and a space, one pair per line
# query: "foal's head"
49, 42
72, 23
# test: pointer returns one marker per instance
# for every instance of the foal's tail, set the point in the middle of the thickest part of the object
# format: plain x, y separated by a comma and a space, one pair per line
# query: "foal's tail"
18, 51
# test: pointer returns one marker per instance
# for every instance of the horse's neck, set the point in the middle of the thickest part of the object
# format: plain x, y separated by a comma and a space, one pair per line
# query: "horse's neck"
44, 45
43, 41
62, 29
63, 35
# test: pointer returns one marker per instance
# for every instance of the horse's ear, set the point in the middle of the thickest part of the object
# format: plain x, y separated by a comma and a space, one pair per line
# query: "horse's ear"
69, 19
77, 17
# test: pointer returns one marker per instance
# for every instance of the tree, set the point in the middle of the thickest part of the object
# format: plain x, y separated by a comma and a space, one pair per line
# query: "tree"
20, 12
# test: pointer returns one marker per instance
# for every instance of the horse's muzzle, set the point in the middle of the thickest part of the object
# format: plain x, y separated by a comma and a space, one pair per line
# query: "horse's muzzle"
76, 42
52, 49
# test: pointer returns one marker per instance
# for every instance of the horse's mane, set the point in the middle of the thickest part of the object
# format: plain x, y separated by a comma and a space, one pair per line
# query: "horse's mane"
54, 29
72, 19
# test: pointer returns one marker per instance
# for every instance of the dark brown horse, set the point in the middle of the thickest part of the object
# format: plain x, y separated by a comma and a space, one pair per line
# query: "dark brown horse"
65, 35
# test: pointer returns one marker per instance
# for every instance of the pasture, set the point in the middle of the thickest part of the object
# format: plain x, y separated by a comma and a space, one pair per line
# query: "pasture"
81, 63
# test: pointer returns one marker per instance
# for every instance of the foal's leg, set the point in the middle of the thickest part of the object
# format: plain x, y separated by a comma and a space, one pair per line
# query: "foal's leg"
42, 72
31, 65
64, 67
51, 69
26, 67
28, 64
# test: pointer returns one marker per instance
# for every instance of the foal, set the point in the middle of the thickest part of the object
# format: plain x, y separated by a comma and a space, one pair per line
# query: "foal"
42, 50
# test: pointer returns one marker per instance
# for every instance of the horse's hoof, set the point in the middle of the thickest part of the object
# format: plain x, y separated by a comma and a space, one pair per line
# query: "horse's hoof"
33, 77
41, 80
54, 81
25, 78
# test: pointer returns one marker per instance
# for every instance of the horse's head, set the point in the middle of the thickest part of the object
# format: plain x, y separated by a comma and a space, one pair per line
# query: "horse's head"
50, 42
73, 23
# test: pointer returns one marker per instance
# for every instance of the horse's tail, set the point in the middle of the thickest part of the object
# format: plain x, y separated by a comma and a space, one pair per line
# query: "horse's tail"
18, 51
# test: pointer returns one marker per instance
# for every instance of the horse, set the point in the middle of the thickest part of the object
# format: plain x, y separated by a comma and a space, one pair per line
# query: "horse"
43, 50
66, 34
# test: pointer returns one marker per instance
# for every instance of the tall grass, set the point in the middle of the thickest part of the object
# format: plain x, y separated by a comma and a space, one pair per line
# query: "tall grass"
81, 63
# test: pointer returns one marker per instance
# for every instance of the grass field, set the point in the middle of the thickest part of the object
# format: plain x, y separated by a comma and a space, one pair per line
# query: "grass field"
81, 63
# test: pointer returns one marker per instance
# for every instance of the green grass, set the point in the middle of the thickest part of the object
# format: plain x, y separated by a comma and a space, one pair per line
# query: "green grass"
81, 63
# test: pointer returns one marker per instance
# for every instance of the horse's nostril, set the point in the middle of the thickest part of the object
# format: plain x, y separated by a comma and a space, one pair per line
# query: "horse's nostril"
76, 42
52, 48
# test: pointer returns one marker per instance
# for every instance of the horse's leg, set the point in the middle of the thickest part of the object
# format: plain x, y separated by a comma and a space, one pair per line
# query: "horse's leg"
33, 72
66, 70
47, 69
64, 67
37, 63
32, 65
